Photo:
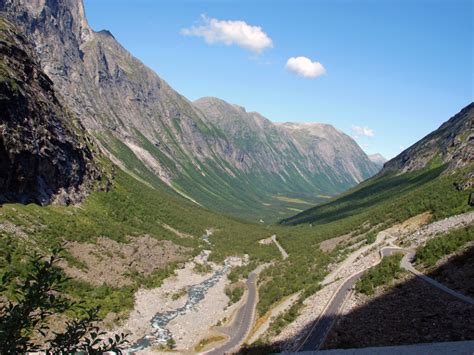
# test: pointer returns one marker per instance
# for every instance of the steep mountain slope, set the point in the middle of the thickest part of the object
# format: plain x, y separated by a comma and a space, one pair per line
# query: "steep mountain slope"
337, 150
435, 174
452, 144
317, 156
44, 156
378, 159
138, 116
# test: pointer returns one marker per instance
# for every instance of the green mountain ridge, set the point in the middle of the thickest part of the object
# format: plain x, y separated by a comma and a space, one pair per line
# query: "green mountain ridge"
442, 160
452, 143
116, 97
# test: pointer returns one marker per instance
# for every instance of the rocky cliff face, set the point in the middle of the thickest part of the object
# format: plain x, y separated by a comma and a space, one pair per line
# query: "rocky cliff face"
109, 89
43, 156
335, 148
311, 149
452, 144
134, 114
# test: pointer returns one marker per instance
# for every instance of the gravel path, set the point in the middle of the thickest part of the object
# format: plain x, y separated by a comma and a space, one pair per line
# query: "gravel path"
283, 252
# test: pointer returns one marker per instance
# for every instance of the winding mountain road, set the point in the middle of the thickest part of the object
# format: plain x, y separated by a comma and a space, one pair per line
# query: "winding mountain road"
323, 324
407, 265
243, 321
244, 318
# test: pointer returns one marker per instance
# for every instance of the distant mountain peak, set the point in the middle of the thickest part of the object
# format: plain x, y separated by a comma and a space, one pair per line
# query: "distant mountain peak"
107, 33
315, 129
378, 159
211, 100
309, 148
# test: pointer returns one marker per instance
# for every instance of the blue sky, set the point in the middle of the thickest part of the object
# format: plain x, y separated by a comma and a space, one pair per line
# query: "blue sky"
387, 72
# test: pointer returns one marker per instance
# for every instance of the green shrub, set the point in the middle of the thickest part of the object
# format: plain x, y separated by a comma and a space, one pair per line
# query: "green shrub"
234, 293
380, 274
371, 237
36, 296
429, 254
285, 318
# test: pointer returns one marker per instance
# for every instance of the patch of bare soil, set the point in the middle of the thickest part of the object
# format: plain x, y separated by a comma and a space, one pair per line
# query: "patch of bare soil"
415, 222
330, 244
266, 241
410, 226
111, 262
423, 233
10, 228
409, 312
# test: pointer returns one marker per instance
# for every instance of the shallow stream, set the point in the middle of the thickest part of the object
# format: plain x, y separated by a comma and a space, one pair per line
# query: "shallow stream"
161, 334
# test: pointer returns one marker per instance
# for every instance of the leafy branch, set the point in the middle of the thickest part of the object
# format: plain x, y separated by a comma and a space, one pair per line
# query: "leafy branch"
37, 295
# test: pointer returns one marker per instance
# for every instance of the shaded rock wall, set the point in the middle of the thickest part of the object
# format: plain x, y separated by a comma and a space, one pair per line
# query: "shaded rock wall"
43, 156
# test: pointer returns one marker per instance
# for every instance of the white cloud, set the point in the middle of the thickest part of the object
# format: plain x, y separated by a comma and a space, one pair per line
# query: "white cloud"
305, 67
362, 131
230, 32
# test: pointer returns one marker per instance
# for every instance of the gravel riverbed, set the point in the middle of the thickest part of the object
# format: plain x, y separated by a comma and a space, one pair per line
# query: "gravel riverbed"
186, 329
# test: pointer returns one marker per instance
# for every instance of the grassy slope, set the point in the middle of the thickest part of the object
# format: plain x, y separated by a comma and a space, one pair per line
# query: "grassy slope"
381, 274
131, 208
247, 195
136, 208
380, 201
435, 249
392, 198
